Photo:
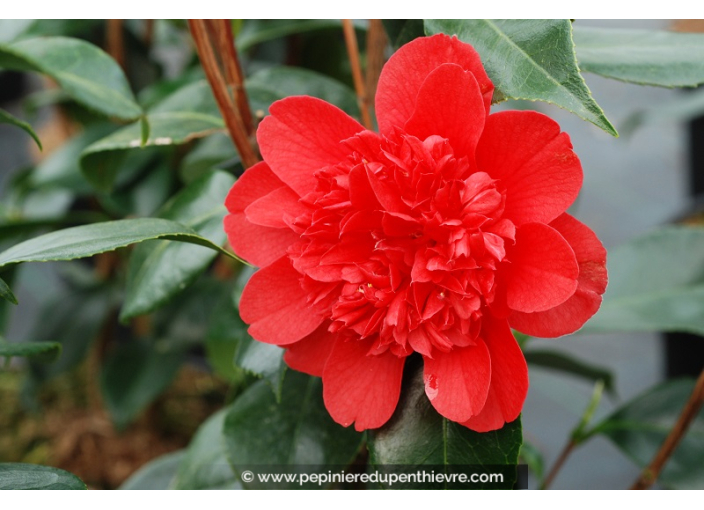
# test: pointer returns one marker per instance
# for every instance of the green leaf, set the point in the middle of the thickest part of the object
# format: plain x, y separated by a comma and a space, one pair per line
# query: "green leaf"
133, 376
205, 464
16, 476
564, 363
214, 151
529, 59
258, 31
43, 352
88, 240
656, 283
402, 31
159, 270
417, 436
645, 57
158, 474
187, 114
533, 458
84, 71
296, 432
6, 118
6, 292
272, 84
640, 427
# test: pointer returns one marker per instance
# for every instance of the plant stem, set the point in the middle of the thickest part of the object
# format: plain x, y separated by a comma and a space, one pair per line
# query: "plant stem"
577, 436
353, 52
114, 41
650, 474
233, 71
376, 46
233, 120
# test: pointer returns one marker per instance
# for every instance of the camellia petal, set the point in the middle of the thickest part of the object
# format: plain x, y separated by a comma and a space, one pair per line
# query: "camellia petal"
310, 354
573, 313
457, 382
543, 272
509, 379
361, 388
533, 162
302, 135
404, 74
259, 245
449, 104
276, 306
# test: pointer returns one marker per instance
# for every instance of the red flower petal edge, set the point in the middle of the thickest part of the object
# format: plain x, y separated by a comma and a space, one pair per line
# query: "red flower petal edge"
436, 236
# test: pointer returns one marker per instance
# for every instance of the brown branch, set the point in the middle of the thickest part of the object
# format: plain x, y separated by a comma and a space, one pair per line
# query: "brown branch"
148, 32
650, 474
230, 114
114, 41
233, 70
353, 52
376, 46
558, 464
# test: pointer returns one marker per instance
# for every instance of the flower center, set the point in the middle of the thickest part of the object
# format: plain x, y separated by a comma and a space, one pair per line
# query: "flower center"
403, 240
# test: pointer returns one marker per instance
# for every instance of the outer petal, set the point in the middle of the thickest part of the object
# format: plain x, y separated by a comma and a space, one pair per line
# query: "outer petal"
457, 382
257, 244
361, 388
543, 271
573, 313
534, 163
303, 135
271, 209
404, 74
310, 354
449, 104
276, 307
509, 378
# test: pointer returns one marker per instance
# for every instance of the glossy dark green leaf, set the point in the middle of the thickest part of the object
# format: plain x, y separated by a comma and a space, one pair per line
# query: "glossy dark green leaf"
6, 292
640, 427
656, 283
88, 240
205, 464
213, 152
402, 31
133, 376
158, 474
16, 476
160, 269
82, 70
257, 31
529, 59
416, 435
298, 431
6, 118
43, 352
276, 83
187, 114
645, 57
561, 362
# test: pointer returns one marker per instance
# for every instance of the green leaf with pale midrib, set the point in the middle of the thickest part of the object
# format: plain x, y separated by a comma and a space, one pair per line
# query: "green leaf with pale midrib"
17, 476
84, 71
529, 59
88, 240
645, 57
159, 270
44, 352
6, 118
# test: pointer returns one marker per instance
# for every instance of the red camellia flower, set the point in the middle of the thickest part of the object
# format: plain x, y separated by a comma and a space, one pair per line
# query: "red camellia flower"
437, 236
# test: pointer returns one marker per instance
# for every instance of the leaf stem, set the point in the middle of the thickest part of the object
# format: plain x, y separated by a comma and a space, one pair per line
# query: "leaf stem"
650, 474
353, 52
230, 114
376, 46
577, 436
